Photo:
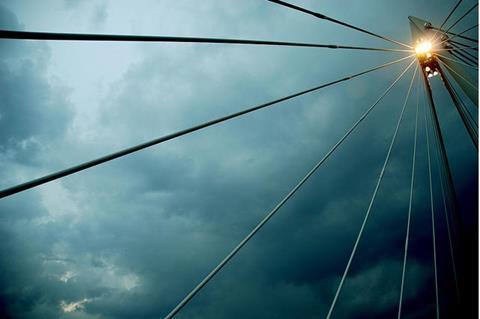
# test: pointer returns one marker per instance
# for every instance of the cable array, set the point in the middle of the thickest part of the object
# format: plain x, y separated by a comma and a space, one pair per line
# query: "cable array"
449, 199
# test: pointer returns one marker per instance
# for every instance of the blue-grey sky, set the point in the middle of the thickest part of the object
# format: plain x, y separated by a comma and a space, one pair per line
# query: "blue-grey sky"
130, 238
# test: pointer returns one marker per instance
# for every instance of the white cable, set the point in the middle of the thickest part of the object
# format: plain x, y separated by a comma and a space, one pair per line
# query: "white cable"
367, 214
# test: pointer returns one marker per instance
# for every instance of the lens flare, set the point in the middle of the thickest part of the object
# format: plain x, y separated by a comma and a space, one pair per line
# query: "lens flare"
423, 47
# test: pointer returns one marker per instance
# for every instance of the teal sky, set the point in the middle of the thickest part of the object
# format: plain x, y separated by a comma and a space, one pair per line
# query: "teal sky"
129, 239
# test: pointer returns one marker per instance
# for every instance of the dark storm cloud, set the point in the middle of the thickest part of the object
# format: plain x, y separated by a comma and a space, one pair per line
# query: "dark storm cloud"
32, 109
207, 182
33, 112
131, 238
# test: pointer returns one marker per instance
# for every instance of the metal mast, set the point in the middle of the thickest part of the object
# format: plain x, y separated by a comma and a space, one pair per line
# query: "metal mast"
434, 52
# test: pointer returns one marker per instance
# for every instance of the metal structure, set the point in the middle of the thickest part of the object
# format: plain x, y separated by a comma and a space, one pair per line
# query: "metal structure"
435, 50
437, 54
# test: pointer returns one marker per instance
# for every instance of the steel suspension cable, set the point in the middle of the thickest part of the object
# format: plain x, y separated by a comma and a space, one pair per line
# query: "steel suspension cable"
460, 34
461, 108
450, 186
466, 111
463, 16
450, 191
237, 248
456, 35
464, 46
324, 17
74, 169
448, 17
407, 234
458, 226
457, 61
453, 201
450, 33
437, 308
54, 36
465, 54
467, 81
372, 200
463, 49
450, 14
459, 57
468, 29
442, 176
470, 116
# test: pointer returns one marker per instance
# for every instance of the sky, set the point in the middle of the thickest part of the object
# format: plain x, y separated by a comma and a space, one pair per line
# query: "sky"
130, 238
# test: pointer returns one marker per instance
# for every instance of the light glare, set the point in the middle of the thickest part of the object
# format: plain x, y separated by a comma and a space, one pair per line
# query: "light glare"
423, 47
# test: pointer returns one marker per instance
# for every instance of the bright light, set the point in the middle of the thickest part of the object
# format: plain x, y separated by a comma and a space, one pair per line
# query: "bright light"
423, 47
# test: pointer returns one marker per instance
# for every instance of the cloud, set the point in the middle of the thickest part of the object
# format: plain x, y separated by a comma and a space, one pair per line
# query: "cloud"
100, 15
130, 238
73, 306
34, 108
376, 290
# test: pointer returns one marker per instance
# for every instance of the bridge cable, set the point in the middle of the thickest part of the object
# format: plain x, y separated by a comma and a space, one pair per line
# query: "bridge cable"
458, 226
367, 214
237, 248
465, 48
444, 21
458, 223
463, 45
443, 178
464, 53
465, 114
80, 167
457, 61
437, 310
324, 17
450, 14
467, 81
460, 34
454, 35
459, 57
470, 116
52, 36
461, 18
407, 234
468, 29
461, 108
445, 161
